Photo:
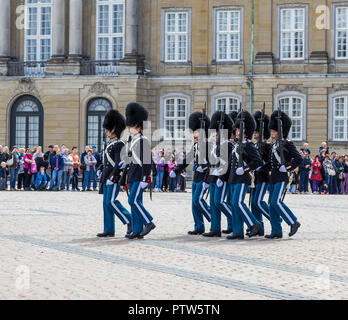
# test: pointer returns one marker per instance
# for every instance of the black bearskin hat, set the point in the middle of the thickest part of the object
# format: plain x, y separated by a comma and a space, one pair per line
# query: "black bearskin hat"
195, 121
136, 114
227, 122
266, 131
249, 124
115, 122
286, 121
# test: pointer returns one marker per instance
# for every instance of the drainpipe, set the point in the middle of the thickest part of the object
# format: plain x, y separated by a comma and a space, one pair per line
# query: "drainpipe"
252, 55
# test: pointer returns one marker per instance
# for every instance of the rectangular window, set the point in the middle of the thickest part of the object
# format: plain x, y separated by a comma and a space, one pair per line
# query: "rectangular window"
38, 22
176, 36
341, 32
293, 107
227, 104
340, 117
110, 30
175, 118
292, 33
228, 35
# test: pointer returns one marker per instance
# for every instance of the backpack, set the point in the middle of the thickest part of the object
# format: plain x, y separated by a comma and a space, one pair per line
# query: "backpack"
33, 167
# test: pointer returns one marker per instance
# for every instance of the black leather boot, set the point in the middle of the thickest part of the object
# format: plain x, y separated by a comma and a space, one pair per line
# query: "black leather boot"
148, 228
235, 237
254, 229
212, 234
196, 232
106, 235
274, 236
293, 228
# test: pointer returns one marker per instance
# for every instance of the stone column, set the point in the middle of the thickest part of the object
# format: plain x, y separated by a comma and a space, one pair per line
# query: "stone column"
75, 29
4, 35
132, 63
131, 48
58, 30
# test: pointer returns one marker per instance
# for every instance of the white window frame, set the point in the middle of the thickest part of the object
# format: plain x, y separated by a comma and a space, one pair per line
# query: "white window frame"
176, 97
216, 33
335, 30
110, 35
165, 12
38, 37
225, 95
303, 118
293, 6
332, 117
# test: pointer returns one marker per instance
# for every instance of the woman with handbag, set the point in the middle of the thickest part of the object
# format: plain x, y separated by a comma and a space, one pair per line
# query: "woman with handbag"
316, 175
29, 167
13, 165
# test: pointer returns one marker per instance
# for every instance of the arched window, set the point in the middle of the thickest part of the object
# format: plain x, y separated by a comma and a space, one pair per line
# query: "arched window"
96, 111
339, 114
293, 104
226, 102
175, 111
26, 122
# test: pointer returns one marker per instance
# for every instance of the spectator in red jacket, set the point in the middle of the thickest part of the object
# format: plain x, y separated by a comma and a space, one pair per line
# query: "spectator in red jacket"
316, 175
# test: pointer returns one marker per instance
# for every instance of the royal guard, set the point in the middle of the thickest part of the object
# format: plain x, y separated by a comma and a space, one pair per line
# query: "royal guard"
220, 152
245, 158
139, 160
199, 123
114, 124
284, 158
258, 206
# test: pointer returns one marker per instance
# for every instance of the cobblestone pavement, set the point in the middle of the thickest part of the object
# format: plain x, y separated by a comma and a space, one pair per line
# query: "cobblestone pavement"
49, 251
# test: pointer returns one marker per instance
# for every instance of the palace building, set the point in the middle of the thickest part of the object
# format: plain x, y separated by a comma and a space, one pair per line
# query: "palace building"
65, 63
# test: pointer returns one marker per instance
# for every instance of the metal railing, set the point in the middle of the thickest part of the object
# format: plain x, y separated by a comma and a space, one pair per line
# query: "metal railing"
28, 68
99, 67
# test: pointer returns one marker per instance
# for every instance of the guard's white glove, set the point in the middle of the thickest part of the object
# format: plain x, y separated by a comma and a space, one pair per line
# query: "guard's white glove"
258, 169
99, 173
143, 185
122, 165
172, 175
283, 169
205, 185
219, 183
200, 169
240, 171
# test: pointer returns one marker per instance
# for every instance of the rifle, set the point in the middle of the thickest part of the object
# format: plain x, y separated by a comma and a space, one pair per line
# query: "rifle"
261, 130
240, 138
123, 179
280, 140
203, 130
281, 144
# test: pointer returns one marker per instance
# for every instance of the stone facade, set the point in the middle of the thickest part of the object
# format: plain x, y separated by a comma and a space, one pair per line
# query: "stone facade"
144, 76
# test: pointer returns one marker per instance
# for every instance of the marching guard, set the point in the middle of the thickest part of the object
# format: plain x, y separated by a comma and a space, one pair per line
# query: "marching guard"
245, 158
199, 123
262, 133
219, 172
284, 158
139, 159
114, 124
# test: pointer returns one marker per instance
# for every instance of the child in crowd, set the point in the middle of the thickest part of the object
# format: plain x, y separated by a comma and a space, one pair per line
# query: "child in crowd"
3, 176
41, 180
305, 148
171, 166
316, 174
